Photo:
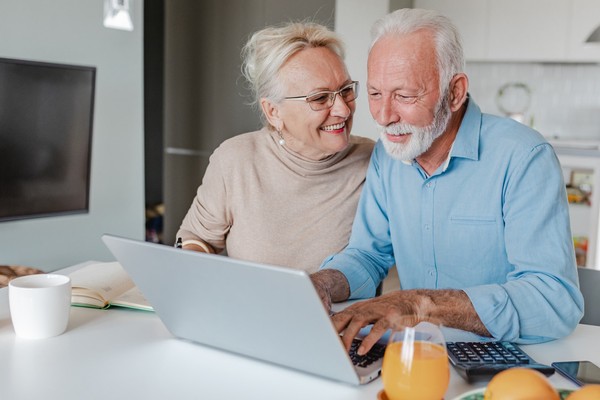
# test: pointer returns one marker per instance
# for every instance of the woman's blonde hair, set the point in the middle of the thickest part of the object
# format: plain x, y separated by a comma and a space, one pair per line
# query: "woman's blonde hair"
268, 50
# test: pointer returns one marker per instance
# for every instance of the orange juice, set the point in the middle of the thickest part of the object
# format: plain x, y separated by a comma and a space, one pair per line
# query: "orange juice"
423, 376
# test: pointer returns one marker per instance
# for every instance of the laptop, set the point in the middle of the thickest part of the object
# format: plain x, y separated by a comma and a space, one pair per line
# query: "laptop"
269, 313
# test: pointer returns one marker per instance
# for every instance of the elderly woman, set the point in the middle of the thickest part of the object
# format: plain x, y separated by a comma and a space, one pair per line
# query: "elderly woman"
286, 194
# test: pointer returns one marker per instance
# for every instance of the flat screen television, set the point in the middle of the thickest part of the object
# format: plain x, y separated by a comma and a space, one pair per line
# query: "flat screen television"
46, 118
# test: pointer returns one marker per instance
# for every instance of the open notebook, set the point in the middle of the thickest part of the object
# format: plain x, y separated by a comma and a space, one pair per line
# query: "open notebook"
269, 313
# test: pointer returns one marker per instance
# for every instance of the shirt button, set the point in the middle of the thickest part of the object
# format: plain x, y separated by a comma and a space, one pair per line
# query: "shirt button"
428, 184
426, 227
431, 272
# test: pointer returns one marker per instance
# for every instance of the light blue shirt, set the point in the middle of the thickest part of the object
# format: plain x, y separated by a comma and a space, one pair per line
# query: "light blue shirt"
493, 221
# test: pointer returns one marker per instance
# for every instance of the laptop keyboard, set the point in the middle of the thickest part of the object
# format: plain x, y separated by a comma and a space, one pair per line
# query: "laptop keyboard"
372, 355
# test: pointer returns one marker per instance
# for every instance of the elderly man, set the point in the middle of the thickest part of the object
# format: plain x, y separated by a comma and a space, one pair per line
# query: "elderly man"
470, 207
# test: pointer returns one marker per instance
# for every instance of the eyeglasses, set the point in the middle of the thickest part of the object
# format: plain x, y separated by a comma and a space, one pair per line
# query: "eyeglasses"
323, 100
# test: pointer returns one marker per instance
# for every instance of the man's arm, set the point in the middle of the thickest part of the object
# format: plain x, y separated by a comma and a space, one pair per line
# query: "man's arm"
365, 262
540, 299
450, 308
331, 285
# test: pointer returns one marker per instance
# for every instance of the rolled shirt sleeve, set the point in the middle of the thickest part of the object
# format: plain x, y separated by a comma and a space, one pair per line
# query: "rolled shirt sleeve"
540, 299
369, 254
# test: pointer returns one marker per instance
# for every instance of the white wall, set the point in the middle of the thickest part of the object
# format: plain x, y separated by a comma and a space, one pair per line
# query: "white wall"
353, 20
71, 32
565, 98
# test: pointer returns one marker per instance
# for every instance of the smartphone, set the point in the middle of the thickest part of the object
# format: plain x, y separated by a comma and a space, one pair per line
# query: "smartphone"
580, 372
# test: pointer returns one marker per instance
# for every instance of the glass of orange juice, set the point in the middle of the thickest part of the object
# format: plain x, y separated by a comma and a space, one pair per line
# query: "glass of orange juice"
415, 364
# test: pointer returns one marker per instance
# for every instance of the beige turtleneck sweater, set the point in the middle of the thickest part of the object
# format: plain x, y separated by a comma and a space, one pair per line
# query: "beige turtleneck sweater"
267, 204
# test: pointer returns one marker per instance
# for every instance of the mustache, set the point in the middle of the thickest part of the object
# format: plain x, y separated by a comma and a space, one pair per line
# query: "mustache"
398, 128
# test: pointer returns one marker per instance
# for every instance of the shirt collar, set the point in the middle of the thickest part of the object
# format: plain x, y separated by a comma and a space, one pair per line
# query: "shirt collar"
466, 143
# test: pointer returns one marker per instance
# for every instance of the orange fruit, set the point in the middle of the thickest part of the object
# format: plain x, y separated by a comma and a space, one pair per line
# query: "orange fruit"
520, 384
587, 392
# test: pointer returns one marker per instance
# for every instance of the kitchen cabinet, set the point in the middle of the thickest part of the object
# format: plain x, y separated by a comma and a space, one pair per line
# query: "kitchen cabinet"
523, 30
585, 17
470, 17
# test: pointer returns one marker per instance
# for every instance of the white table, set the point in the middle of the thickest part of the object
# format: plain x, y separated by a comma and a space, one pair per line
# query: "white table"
128, 354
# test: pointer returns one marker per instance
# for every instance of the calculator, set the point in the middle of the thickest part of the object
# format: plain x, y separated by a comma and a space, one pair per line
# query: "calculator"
480, 361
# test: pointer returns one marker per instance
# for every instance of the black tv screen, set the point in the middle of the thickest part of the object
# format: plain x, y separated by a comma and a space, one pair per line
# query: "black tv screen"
46, 117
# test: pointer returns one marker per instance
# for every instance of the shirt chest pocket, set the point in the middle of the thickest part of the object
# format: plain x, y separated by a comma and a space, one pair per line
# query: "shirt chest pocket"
473, 241
473, 231
473, 219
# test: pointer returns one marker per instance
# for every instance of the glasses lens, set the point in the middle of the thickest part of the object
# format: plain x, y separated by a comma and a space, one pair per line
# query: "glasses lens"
320, 101
349, 92
323, 100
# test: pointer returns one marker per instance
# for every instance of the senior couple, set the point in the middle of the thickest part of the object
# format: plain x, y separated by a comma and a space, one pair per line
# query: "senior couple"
470, 208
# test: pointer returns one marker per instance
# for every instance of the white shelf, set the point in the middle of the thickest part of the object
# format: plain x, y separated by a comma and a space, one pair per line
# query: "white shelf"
584, 218
580, 219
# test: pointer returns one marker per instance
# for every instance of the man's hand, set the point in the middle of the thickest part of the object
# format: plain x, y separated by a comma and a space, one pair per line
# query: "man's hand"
331, 285
390, 311
398, 309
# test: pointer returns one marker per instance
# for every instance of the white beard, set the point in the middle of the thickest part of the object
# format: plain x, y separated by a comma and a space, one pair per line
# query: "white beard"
422, 137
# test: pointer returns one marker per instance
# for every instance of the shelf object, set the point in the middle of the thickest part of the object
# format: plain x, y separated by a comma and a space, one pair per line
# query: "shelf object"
116, 15
583, 172
594, 36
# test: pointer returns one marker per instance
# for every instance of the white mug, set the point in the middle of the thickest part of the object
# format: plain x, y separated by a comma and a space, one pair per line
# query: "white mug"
40, 305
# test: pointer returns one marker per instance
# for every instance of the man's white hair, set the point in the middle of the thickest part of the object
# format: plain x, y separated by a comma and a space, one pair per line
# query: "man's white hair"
450, 57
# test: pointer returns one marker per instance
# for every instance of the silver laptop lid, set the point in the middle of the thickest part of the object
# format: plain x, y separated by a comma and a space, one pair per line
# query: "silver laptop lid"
265, 312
